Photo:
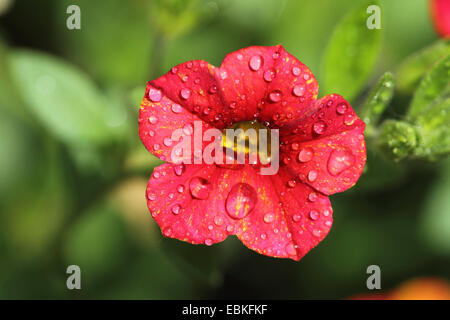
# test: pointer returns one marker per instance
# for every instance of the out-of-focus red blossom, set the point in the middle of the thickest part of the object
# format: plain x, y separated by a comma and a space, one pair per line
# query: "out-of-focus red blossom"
426, 288
440, 13
322, 151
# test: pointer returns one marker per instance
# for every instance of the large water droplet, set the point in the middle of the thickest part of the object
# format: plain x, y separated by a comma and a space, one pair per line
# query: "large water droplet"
313, 215
240, 200
255, 63
339, 161
200, 188
153, 119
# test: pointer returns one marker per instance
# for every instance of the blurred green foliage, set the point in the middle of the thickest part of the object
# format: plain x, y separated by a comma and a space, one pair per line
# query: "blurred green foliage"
73, 172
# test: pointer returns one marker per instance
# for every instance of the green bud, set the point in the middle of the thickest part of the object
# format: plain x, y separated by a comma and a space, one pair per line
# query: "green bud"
397, 139
377, 101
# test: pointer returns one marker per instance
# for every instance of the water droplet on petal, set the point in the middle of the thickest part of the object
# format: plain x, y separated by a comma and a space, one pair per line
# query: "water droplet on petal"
167, 232
255, 63
275, 96
313, 215
167, 142
296, 217
290, 249
269, 217
151, 196
176, 108
291, 183
200, 188
349, 119
263, 236
180, 188
319, 127
185, 93
296, 71
208, 242
240, 200
339, 161
188, 129
341, 108
312, 176
298, 90
176, 209
218, 220
269, 75
179, 169
317, 232
230, 228
312, 196
305, 155
154, 95
153, 119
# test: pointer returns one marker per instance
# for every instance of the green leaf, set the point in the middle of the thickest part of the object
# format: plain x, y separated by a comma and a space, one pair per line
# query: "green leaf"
414, 67
351, 54
434, 85
62, 98
377, 101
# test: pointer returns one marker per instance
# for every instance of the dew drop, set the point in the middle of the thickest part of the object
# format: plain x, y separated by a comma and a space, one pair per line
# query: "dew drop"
296, 217
153, 119
240, 200
290, 249
176, 108
180, 188
151, 196
269, 75
296, 71
176, 209
255, 63
317, 232
312, 176
305, 155
185, 93
275, 96
154, 95
167, 142
319, 127
269, 217
349, 119
341, 108
208, 242
339, 161
291, 183
313, 215
199, 188
218, 220
312, 196
230, 228
298, 90
179, 169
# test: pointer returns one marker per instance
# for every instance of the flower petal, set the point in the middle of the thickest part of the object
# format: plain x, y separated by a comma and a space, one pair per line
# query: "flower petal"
266, 83
159, 118
194, 86
328, 150
205, 204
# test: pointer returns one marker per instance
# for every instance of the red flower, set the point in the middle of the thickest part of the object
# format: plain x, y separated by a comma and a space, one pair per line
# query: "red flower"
440, 12
322, 151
